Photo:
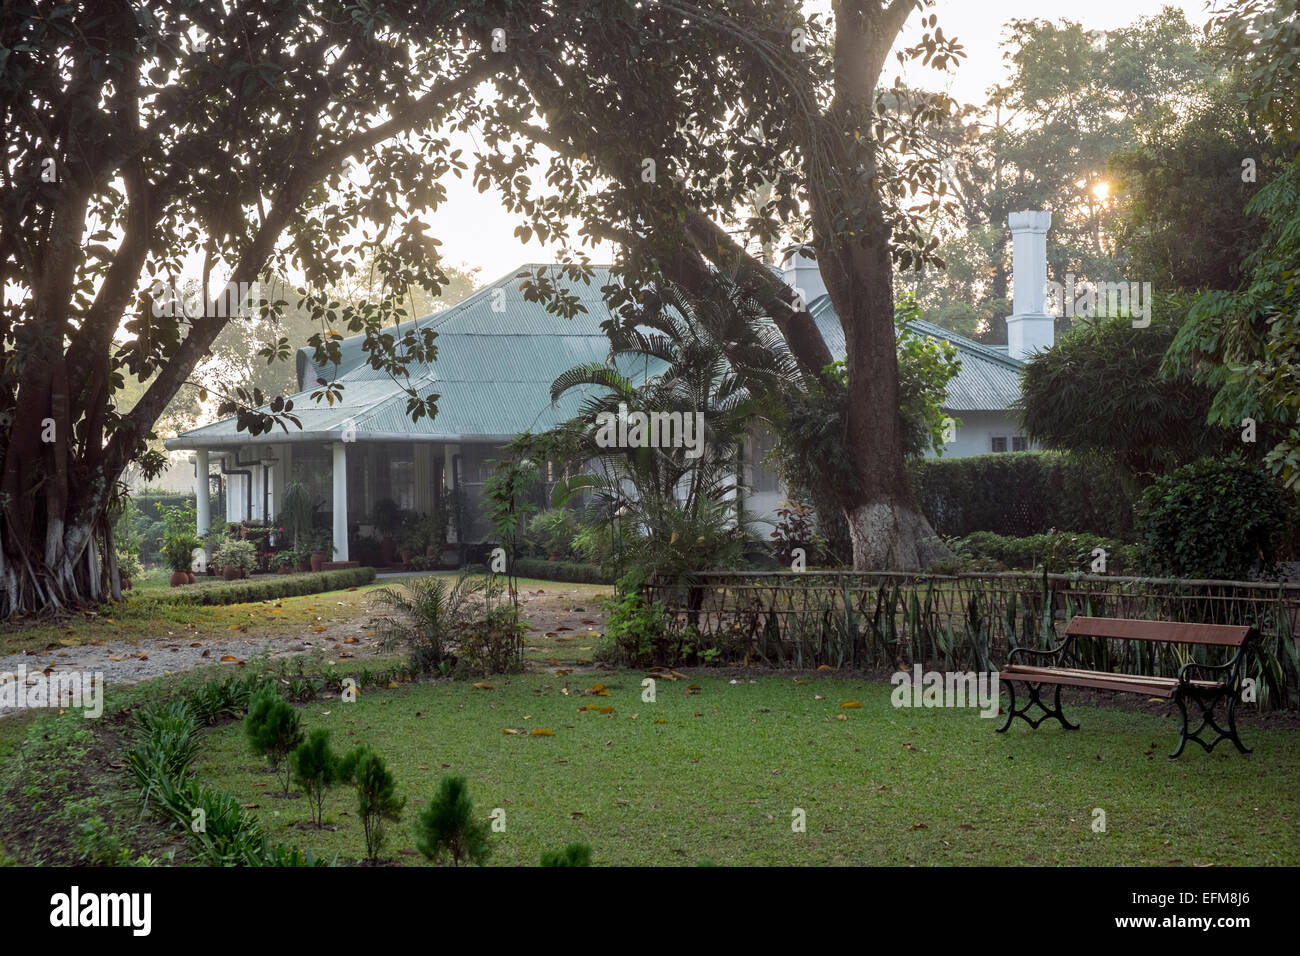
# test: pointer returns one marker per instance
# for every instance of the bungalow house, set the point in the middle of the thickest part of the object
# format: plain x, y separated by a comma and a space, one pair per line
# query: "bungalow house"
497, 357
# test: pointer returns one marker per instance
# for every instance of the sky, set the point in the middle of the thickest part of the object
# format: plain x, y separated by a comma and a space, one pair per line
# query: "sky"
477, 231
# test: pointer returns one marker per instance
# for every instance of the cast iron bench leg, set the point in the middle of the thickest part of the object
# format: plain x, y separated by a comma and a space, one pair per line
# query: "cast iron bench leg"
1023, 713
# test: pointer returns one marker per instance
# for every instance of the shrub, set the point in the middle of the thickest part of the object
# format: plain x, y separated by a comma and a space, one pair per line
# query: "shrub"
575, 854
238, 553
493, 642
273, 730
266, 589
447, 828
796, 527
637, 627
315, 769
1059, 552
425, 615
1212, 519
377, 798
1022, 493
128, 565
553, 530
561, 571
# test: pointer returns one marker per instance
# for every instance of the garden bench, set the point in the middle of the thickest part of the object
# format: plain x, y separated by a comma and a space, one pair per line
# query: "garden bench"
1206, 693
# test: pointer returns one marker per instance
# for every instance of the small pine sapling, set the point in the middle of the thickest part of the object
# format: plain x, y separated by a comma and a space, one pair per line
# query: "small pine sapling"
447, 828
377, 798
274, 731
315, 769
575, 854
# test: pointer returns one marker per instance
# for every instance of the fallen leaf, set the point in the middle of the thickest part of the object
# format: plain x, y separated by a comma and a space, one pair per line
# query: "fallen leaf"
541, 732
826, 667
849, 705
607, 710
484, 685
661, 721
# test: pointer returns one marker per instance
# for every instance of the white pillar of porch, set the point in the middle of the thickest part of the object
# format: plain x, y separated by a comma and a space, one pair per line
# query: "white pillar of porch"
203, 510
340, 501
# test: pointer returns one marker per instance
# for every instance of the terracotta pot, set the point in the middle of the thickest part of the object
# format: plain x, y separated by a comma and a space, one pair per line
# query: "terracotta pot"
317, 560
178, 578
230, 572
190, 579
388, 549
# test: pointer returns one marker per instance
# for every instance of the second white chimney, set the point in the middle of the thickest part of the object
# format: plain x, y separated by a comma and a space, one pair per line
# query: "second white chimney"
803, 275
1030, 328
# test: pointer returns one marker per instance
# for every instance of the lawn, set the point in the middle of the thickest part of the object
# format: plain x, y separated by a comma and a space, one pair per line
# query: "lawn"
717, 774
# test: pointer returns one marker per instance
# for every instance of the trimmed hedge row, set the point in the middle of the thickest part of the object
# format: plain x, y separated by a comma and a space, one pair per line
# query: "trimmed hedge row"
1022, 493
1058, 553
569, 571
272, 586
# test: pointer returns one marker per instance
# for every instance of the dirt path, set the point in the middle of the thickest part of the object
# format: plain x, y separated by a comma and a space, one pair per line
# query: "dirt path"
564, 620
123, 662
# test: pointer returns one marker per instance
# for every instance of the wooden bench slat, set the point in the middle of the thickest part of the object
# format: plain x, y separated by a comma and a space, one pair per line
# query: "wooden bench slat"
1137, 682
1096, 681
1173, 632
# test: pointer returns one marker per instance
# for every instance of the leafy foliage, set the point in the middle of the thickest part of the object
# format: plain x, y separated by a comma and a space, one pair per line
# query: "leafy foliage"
1103, 391
446, 828
1211, 519
1021, 493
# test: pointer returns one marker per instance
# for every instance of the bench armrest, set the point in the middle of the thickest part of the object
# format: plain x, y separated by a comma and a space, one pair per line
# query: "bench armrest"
1054, 654
1228, 667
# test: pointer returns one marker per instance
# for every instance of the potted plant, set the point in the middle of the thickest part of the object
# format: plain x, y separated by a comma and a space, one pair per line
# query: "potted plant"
284, 562
553, 530
178, 551
128, 567
236, 556
413, 536
387, 521
322, 545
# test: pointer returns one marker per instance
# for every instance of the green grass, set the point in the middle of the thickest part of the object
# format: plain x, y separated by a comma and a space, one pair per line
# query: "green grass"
883, 787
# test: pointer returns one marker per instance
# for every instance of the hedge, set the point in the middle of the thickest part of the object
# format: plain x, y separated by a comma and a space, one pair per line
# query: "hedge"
570, 571
1022, 493
271, 586
1059, 553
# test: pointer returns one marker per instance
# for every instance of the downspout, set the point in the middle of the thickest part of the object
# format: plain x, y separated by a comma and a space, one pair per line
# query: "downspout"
248, 475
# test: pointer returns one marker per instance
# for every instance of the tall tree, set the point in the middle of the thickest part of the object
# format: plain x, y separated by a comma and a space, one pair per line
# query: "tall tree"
138, 134
665, 117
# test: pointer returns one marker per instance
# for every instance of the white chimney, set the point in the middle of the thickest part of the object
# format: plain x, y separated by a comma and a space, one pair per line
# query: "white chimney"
803, 275
1029, 328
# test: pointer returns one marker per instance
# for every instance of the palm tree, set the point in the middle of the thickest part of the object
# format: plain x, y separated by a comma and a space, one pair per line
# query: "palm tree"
715, 357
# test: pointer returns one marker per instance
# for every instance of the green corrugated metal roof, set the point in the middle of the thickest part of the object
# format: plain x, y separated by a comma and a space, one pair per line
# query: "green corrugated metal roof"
988, 380
494, 371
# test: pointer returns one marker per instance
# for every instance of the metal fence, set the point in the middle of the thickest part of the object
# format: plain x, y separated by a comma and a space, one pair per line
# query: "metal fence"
879, 619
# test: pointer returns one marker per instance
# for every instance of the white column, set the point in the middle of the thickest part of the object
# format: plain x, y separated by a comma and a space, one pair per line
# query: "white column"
1029, 327
340, 502
204, 513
